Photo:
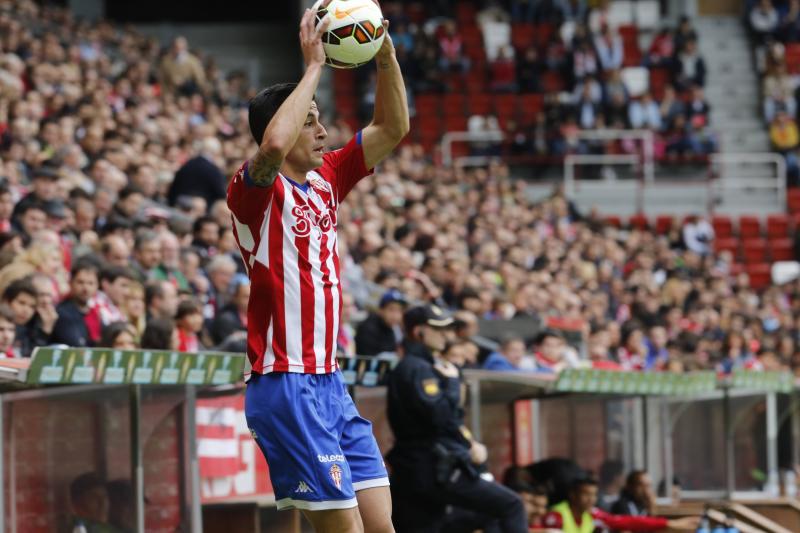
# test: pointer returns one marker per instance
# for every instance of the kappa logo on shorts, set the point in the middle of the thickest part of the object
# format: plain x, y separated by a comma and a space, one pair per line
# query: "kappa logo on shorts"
336, 475
332, 458
303, 488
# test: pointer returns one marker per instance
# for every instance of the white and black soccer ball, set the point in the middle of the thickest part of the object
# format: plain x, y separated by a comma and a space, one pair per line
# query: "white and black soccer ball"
355, 33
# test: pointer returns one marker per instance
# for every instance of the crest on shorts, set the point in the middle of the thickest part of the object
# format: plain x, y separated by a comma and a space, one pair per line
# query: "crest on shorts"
336, 475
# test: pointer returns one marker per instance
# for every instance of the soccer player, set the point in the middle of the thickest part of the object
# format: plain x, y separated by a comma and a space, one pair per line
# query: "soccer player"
322, 455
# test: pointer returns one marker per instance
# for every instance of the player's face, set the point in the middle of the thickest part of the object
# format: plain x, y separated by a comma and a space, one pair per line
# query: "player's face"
306, 154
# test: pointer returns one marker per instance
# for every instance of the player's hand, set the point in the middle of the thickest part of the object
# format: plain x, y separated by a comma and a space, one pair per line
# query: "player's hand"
387, 48
47, 313
311, 36
688, 523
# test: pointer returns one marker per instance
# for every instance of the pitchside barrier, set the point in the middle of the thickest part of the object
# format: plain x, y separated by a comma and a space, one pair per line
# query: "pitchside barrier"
170, 427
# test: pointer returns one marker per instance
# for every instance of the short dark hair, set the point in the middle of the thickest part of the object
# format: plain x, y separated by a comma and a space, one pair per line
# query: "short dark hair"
543, 335
85, 265
188, 307
582, 481
264, 105
157, 334
153, 289
83, 484
110, 333
112, 272
634, 476
202, 221
25, 207
20, 286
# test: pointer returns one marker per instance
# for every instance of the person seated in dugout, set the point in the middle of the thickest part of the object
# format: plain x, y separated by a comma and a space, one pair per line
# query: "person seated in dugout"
579, 514
89, 503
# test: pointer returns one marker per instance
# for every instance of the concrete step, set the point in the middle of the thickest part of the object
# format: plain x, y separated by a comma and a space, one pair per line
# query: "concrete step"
715, 91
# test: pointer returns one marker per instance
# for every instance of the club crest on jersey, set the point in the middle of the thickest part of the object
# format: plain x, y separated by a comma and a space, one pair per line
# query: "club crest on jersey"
319, 184
336, 475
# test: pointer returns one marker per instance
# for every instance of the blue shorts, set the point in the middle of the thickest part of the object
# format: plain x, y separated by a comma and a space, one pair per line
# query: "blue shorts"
319, 450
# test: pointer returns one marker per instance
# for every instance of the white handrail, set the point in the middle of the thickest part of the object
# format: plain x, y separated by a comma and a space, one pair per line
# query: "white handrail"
460, 136
729, 181
572, 160
645, 136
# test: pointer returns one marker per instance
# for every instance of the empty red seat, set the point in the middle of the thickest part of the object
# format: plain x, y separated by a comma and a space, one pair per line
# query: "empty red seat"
760, 275
613, 220
454, 104
455, 123
777, 226
638, 221
523, 35
428, 104
531, 104
664, 223
781, 250
793, 200
754, 251
544, 32
506, 104
749, 227
552, 82
730, 245
723, 226
479, 104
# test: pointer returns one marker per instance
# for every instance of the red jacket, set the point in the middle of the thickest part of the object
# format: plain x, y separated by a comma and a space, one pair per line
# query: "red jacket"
613, 521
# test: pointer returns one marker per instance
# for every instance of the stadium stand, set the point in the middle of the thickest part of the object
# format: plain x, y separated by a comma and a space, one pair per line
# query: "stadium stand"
92, 139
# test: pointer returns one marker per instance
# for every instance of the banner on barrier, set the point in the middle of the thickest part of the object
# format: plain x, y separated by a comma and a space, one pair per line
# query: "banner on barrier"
146, 367
762, 381
232, 468
652, 383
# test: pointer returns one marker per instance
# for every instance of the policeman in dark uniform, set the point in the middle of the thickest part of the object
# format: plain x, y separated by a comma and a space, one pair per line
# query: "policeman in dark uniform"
435, 462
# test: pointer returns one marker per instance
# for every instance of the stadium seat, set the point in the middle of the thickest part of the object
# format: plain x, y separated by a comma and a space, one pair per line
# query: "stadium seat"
777, 226
479, 104
749, 227
638, 221
523, 35
613, 220
506, 104
760, 275
792, 56
736, 269
730, 245
659, 77
453, 104
531, 104
455, 123
793, 200
552, 82
754, 251
723, 226
543, 34
663, 224
428, 104
781, 250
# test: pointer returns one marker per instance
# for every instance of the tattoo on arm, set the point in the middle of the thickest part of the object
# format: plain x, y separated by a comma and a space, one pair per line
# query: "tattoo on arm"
263, 169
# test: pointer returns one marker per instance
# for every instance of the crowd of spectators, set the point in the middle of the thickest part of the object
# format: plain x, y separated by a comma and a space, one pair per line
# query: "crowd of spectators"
774, 25
575, 58
103, 242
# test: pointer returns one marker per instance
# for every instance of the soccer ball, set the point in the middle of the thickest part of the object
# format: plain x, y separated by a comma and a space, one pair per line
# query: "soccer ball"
355, 33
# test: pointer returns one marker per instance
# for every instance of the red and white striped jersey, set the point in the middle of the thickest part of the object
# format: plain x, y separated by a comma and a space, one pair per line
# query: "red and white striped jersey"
286, 234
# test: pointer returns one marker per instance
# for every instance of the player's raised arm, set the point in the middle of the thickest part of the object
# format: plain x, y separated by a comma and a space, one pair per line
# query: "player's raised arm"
284, 128
390, 119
